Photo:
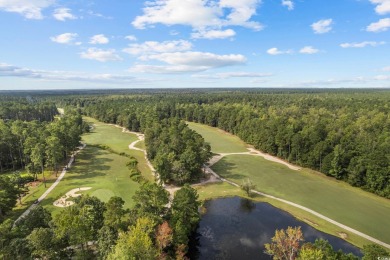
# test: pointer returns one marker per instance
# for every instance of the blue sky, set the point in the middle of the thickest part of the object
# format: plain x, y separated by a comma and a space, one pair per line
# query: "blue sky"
57, 44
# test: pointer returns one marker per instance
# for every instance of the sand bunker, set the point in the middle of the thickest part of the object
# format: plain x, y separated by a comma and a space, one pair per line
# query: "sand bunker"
62, 203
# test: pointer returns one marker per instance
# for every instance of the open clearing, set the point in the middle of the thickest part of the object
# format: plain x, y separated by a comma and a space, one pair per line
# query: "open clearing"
106, 173
361, 210
113, 137
220, 141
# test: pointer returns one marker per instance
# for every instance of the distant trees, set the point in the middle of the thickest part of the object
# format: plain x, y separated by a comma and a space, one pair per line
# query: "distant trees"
344, 134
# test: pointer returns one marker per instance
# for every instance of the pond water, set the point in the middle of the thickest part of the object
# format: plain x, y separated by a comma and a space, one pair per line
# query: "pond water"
236, 228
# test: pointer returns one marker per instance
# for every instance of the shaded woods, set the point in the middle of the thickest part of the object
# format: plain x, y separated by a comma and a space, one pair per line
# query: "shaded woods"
344, 134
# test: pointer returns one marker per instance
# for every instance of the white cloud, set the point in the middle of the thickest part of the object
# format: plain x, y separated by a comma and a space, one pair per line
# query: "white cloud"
30, 9
386, 69
61, 14
308, 50
131, 38
382, 77
276, 51
289, 4
205, 59
158, 47
213, 34
159, 69
199, 14
227, 75
380, 26
240, 13
322, 26
100, 55
182, 62
65, 38
383, 6
92, 13
7, 70
99, 39
361, 44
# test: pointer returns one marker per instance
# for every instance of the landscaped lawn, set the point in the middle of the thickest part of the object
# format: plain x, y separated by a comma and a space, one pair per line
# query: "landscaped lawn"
113, 137
105, 172
351, 206
220, 141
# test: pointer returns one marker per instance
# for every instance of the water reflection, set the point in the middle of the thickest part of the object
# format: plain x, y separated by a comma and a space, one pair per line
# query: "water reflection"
236, 228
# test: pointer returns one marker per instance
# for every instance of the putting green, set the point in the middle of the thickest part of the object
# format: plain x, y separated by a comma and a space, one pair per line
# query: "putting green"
103, 194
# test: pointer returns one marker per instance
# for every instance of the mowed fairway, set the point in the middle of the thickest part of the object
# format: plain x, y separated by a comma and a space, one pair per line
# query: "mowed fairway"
353, 207
106, 173
220, 141
113, 137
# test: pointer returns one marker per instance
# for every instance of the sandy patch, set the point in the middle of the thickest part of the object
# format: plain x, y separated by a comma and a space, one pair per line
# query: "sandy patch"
62, 203
273, 159
343, 235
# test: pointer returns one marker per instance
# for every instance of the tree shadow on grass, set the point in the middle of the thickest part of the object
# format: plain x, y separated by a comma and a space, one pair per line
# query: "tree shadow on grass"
226, 170
92, 163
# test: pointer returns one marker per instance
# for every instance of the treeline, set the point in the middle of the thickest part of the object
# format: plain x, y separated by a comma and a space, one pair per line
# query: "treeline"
344, 134
36, 145
13, 108
178, 152
92, 229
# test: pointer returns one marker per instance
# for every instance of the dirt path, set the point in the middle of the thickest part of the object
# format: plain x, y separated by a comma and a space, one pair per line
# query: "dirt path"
216, 158
254, 152
44, 195
62, 203
214, 177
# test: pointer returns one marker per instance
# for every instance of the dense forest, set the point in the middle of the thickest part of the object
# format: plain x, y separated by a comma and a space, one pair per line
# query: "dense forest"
92, 229
177, 151
34, 145
344, 134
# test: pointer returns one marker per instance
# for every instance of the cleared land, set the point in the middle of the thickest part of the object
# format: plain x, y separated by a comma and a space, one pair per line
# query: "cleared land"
113, 137
106, 173
220, 141
351, 206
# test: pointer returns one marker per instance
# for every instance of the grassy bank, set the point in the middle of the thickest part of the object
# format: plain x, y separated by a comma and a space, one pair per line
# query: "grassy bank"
353, 207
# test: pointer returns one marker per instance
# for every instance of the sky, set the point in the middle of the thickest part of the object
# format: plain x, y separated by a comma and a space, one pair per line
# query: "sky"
80, 44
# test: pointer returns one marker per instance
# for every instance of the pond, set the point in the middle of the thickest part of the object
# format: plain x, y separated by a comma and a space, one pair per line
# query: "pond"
237, 228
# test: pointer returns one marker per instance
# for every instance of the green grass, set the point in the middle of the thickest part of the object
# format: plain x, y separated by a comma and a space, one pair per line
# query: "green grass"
113, 137
220, 141
223, 189
351, 206
105, 172
141, 145
34, 192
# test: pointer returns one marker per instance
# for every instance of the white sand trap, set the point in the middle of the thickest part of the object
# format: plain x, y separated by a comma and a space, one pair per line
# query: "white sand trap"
62, 203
